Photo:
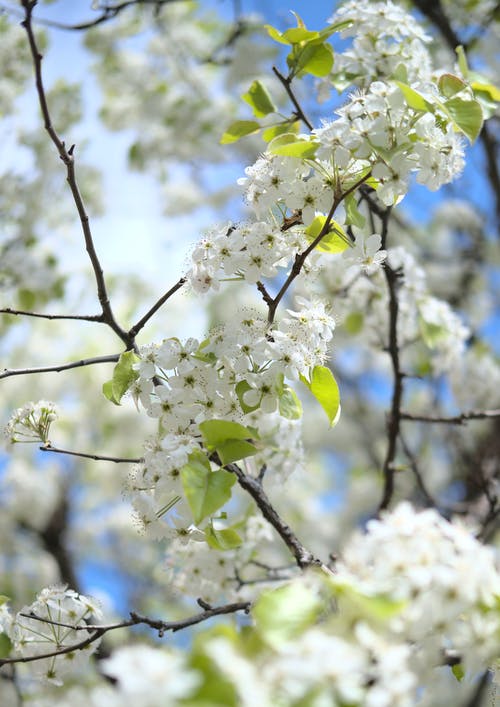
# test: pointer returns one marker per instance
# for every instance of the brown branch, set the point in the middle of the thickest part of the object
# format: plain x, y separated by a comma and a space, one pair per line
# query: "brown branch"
8, 372
460, 419
135, 619
141, 323
108, 13
394, 417
79, 317
254, 487
286, 81
300, 258
67, 157
96, 457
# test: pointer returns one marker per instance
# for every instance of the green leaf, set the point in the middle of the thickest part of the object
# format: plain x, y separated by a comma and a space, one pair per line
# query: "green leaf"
335, 241
4, 599
377, 607
229, 439
289, 145
284, 613
449, 85
289, 404
467, 116
326, 391
226, 539
5, 645
235, 449
206, 490
492, 91
259, 100
241, 388
239, 129
413, 98
297, 35
123, 377
431, 333
458, 671
353, 215
462, 61
275, 34
217, 431
275, 130
354, 322
315, 59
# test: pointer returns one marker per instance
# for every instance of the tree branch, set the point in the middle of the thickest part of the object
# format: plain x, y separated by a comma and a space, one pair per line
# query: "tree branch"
96, 457
79, 317
8, 372
141, 323
460, 419
286, 81
254, 487
394, 417
67, 157
300, 258
135, 619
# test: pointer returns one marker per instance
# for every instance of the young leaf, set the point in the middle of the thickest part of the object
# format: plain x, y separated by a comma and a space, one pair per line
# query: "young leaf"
275, 130
462, 61
229, 439
217, 431
123, 377
226, 539
413, 98
284, 613
239, 129
259, 100
315, 59
449, 85
335, 241
353, 215
458, 671
326, 391
241, 388
206, 490
467, 116
289, 145
289, 404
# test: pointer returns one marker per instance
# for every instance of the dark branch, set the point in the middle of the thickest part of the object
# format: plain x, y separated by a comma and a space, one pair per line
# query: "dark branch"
79, 317
286, 81
67, 157
8, 372
135, 619
254, 487
96, 457
454, 419
142, 322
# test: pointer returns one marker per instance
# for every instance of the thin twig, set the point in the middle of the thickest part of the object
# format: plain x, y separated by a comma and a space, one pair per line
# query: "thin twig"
300, 258
8, 372
67, 157
460, 419
286, 81
96, 457
135, 619
141, 323
254, 487
79, 317
108, 13
394, 416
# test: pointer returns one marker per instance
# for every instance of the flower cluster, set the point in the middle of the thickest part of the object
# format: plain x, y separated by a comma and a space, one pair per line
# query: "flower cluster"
237, 374
447, 582
55, 621
31, 423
